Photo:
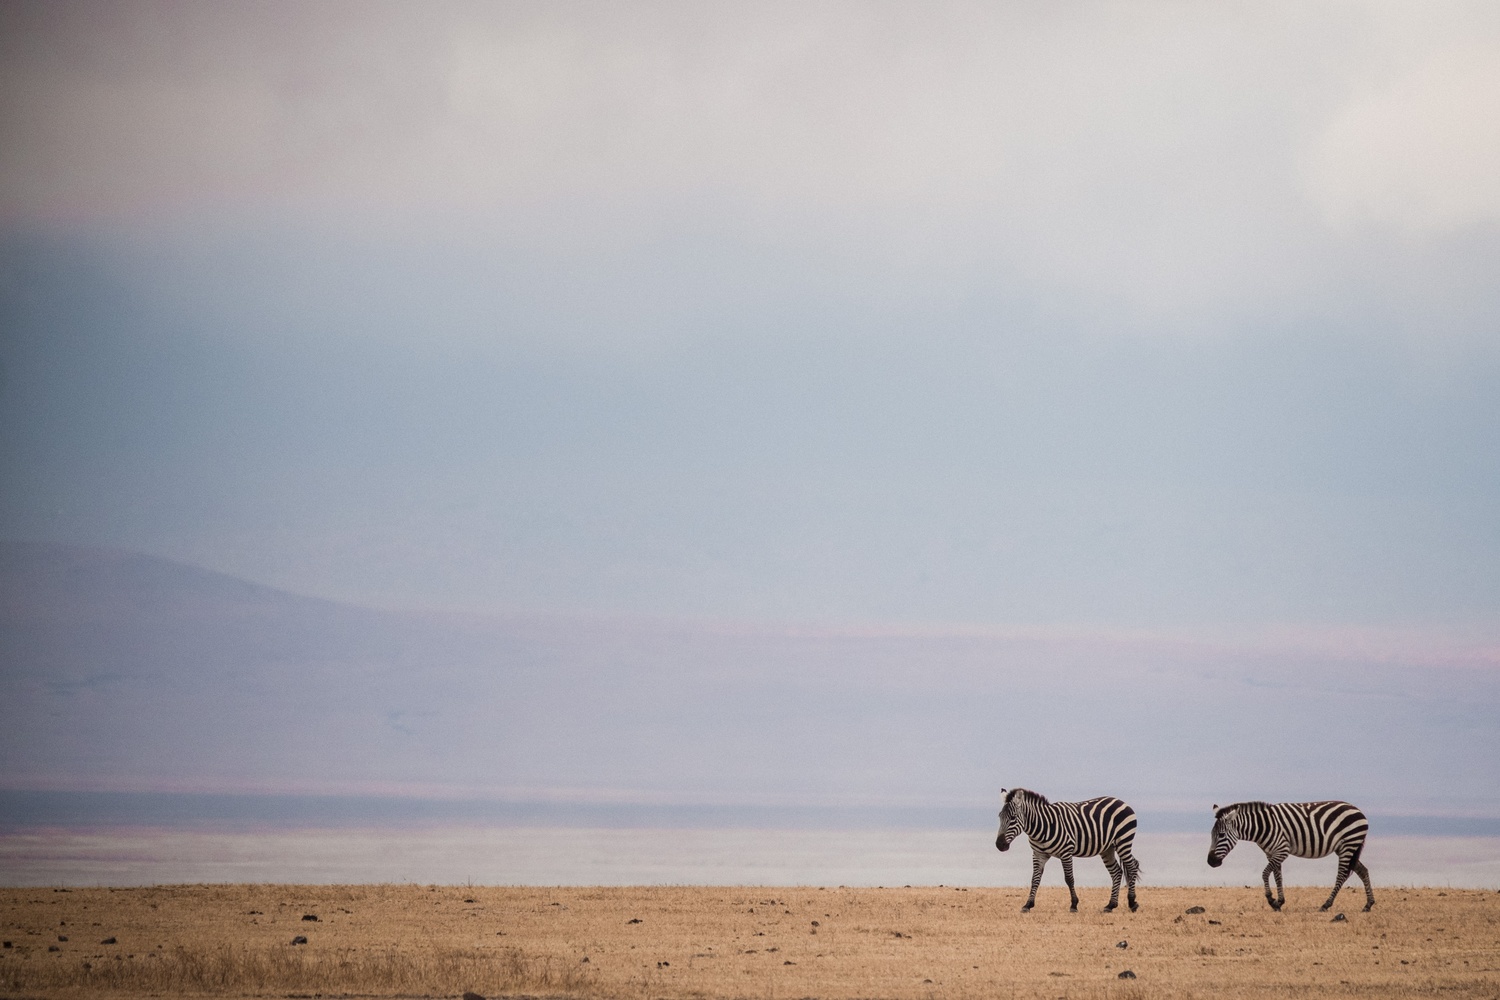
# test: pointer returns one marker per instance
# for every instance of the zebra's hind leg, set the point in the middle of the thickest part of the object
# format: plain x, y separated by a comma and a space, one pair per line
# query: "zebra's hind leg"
1345, 861
1132, 872
1116, 870
1067, 864
1364, 876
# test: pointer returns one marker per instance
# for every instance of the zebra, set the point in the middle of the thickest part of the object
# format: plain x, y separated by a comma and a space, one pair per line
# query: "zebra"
1104, 826
1303, 829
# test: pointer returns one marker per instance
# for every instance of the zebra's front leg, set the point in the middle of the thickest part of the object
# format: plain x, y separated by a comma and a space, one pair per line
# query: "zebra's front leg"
1265, 877
1364, 876
1038, 861
1338, 883
1116, 870
1067, 864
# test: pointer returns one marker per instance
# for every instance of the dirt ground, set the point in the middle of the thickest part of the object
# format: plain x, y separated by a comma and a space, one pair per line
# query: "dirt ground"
699, 942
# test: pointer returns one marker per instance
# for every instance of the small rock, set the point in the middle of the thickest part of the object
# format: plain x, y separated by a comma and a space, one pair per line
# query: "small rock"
1337, 917
108, 940
1127, 974
634, 920
6, 944
788, 963
816, 924
471, 995
1218, 922
927, 980
1177, 919
1196, 909
53, 947
584, 959
300, 939
468, 901
663, 965
310, 916
62, 937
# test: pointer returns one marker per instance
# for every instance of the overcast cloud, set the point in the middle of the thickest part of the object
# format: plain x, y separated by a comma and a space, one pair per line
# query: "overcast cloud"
1070, 316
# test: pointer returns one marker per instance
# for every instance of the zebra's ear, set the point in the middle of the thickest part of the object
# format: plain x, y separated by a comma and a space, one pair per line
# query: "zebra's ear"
1216, 807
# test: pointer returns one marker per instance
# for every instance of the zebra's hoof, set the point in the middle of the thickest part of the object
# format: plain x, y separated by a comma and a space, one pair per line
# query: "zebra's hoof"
1367, 907
1134, 906
1025, 909
1325, 907
1110, 908
1073, 909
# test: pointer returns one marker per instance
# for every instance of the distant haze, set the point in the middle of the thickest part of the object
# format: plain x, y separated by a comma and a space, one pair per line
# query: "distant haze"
131, 673
869, 403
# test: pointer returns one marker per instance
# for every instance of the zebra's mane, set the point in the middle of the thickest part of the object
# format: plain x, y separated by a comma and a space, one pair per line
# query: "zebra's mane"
1250, 806
1036, 798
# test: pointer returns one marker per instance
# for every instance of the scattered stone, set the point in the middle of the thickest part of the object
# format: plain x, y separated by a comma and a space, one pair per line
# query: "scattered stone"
1177, 919
1196, 909
927, 980
1338, 917
816, 924
1122, 944
663, 965
788, 962
62, 937
634, 920
108, 940
1127, 974
471, 995
310, 916
584, 959
1218, 922
53, 947
6, 944
300, 939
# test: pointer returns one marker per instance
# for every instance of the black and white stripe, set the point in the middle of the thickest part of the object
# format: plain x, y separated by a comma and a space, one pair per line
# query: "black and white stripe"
1104, 826
1297, 829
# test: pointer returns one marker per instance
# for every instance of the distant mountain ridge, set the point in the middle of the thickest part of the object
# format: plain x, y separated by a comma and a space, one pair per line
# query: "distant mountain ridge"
124, 671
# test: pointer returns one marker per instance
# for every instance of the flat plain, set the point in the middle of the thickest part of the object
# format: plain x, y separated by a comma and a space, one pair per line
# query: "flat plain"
908, 943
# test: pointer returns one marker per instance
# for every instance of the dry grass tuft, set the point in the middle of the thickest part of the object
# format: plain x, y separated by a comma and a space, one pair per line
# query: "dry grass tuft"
227, 969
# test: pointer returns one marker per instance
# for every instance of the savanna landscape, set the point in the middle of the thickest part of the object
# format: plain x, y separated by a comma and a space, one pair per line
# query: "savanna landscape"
903, 943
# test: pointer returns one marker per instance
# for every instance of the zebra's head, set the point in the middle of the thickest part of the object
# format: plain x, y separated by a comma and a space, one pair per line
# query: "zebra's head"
1010, 817
1226, 834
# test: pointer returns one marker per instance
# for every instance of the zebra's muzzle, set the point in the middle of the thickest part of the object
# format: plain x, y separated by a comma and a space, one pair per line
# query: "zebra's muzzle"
1002, 844
1214, 862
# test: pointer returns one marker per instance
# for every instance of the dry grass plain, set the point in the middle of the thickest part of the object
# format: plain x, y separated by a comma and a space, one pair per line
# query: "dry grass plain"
770, 944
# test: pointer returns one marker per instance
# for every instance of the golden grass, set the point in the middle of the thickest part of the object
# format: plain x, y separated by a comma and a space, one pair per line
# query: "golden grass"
686, 943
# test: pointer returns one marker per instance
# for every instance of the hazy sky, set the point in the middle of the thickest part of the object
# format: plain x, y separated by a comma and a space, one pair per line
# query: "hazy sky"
1143, 315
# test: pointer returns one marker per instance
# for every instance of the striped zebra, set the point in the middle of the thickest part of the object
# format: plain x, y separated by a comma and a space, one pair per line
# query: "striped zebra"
1301, 829
1104, 826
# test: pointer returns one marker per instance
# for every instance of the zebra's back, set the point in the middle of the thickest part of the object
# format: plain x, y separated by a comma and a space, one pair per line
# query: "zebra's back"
1318, 829
1099, 825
